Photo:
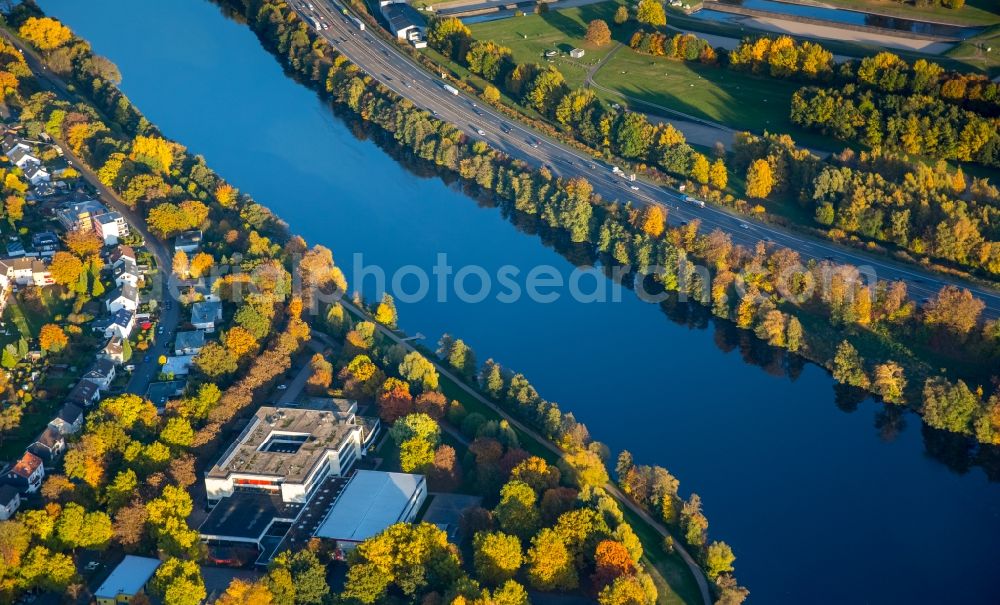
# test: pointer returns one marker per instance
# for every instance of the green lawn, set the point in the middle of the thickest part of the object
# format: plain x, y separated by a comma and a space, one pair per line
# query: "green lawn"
738, 100
530, 36
972, 52
678, 586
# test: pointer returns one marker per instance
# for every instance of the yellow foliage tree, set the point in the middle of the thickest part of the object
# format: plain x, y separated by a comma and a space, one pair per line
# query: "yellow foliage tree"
654, 221
200, 264
155, 151
240, 341
45, 33
14, 205
226, 194
181, 264
760, 179
52, 338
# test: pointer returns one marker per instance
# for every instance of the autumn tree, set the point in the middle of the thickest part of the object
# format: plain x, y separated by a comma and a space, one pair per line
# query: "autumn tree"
550, 564
179, 582
45, 33
240, 342
621, 15
497, 556
848, 367
226, 195
66, 269
14, 207
719, 559
419, 372
321, 376
242, 592
954, 309
445, 473
201, 264
653, 220
598, 32
651, 13
394, 400
889, 382
52, 338
385, 313
611, 560
414, 558
760, 179
181, 264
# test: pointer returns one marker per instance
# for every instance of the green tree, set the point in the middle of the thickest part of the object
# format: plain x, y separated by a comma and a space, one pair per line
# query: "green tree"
848, 367
179, 582
517, 513
308, 575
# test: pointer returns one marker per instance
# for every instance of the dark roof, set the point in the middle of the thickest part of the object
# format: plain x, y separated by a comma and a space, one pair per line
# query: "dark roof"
83, 392
247, 515
121, 317
401, 16
102, 368
7, 494
70, 413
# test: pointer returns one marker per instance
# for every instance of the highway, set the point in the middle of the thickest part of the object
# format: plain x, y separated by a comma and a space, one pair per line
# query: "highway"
386, 63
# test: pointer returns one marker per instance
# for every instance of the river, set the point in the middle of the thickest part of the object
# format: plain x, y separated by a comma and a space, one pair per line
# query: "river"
822, 503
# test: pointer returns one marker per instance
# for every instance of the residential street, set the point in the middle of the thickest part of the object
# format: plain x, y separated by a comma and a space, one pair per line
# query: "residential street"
145, 371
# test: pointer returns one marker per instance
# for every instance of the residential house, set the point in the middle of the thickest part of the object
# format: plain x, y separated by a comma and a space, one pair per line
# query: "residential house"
45, 243
120, 254
85, 394
102, 373
128, 580
114, 350
188, 241
10, 501
22, 158
37, 174
121, 324
123, 297
205, 314
11, 143
26, 271
80, 215
189, 343
126, 272
111, 226
27, 474
49, 445
178, 366
202, 288
69, 420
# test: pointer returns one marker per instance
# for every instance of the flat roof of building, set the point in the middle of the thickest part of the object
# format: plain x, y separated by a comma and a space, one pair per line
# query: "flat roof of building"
128, 578
284, 443
247, 516
371, 502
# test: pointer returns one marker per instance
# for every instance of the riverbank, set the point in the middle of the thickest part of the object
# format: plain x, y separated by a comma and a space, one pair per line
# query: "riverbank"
729, 439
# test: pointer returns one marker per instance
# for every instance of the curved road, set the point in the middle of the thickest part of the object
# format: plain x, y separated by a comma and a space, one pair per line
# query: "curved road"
386, 63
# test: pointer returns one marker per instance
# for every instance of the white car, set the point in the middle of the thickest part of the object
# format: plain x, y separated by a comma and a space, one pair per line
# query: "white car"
282, 387
744, 226
633, 187
481, 132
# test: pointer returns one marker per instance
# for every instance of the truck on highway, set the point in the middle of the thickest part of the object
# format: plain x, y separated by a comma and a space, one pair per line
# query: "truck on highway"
451, 89
315, 22
695, 201
358, 23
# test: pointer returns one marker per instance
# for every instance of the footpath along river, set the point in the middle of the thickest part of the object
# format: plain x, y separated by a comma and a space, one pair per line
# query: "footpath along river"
822, 500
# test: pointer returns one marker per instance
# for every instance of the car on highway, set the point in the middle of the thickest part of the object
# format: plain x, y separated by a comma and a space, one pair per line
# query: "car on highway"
534, 143
744, 226
505, 127
282, 387
481, 132
633, 187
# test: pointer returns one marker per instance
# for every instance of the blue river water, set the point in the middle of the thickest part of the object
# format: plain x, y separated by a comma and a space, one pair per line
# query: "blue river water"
824, 500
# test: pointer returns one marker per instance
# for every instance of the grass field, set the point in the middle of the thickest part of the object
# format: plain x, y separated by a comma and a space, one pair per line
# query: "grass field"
737, 100
973, 51
530, 36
